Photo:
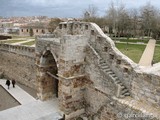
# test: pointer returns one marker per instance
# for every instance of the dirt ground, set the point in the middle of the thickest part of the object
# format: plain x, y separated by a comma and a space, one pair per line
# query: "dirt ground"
6, 100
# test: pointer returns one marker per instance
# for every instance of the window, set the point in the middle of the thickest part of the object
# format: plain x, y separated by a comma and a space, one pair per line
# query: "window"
86, 27
118, 61
106, 49
43, 31
126, 70
60, 26
65, 25
92, 32
111, 56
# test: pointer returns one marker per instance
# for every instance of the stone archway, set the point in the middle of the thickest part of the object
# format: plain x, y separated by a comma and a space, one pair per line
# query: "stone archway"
47, 84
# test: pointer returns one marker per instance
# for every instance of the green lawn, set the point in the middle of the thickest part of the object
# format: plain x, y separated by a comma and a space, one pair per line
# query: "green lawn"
156, 57
12, 41
29, 43
135, 40
134, 52
132, 40
17, 36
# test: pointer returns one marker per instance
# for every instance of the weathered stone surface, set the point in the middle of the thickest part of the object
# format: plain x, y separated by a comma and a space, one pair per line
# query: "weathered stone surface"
81, 66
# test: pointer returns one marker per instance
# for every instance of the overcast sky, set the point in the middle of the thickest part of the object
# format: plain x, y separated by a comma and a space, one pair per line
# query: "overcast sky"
61, 8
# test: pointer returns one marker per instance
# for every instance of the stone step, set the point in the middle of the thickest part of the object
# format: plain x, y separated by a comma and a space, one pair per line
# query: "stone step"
101, 61
107, 70
110, 72
123, 87
118, 81
103, 64
113, 74
115, 78
104, 67
124, 91
126, 94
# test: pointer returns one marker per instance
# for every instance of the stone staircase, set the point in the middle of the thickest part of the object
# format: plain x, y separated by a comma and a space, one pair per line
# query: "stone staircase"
122, 91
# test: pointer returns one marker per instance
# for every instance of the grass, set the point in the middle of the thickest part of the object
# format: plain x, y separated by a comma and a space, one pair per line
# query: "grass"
134, 52
156, 57
17, 36
12, 41
133, 40
29, 43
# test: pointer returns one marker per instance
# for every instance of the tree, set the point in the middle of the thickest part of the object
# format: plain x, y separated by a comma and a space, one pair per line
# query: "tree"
118, 19
148, 18
111, 16
134, 23
123, 22
90, 15
53, 24
91, 12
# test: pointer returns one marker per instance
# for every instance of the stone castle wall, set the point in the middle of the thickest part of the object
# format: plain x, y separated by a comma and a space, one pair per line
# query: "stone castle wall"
91, 71
142, 86
18, 62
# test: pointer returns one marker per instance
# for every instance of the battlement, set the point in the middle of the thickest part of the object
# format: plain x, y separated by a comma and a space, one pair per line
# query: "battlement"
18, 49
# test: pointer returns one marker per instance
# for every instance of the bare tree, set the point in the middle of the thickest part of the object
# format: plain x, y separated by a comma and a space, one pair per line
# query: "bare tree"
148, 18
111, 16
134, 23
90, 12
53, 24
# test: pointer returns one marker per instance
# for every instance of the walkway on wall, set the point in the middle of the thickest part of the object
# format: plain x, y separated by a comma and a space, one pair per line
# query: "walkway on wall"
147, 110
25, 41
147, 56
30, 108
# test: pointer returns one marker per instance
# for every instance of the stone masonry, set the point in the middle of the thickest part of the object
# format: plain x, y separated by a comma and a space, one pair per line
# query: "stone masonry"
92, 79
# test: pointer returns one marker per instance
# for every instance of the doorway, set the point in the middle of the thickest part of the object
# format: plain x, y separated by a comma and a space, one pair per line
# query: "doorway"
50, 80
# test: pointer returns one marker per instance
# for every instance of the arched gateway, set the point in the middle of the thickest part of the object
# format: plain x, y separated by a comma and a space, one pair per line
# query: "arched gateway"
48, 80
60, 71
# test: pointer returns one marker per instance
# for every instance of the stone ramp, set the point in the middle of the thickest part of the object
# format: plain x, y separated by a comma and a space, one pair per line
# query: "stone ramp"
20, 95
147, 56
37, 110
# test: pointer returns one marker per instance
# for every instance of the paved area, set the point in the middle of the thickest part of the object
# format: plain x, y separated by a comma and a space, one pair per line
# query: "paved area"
20, 95
30, 108
147, 56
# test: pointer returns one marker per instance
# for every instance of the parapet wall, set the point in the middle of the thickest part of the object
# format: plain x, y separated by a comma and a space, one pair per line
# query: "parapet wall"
18, 49
18, 62
143, 86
